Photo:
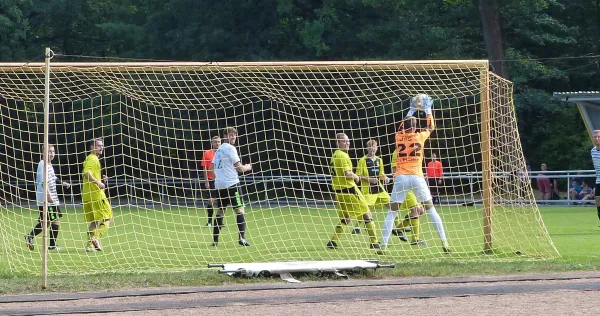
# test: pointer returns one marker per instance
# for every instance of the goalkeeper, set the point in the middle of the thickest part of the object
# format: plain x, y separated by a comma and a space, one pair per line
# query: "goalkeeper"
96, 207
409, 170
372, 177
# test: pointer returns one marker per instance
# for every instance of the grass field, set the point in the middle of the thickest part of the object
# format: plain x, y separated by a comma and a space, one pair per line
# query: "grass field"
146, 242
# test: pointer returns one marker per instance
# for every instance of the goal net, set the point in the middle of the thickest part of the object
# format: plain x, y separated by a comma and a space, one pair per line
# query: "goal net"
157, 119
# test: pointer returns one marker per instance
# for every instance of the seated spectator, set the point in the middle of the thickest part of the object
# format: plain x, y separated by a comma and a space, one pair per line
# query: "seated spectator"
574, 189
586, 192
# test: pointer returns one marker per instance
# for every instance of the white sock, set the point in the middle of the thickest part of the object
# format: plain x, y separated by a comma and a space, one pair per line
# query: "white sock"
388, 225
437, 223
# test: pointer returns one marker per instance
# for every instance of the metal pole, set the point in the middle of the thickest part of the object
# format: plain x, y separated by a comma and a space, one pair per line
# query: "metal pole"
48, 56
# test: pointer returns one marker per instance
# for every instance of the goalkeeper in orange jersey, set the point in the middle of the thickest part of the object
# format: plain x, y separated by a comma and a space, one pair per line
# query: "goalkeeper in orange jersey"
350, 200
372, 178
409, 169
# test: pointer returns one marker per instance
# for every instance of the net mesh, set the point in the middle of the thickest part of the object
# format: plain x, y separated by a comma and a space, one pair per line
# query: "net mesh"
156, 121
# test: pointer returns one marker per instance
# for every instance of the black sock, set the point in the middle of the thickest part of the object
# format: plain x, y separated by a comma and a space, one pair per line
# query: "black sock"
210, 211
241, 224
53, 234
598, 208
37, 229
217, 228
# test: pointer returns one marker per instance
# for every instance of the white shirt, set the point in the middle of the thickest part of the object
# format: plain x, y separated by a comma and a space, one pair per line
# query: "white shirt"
225, 159
39, 185
596, 161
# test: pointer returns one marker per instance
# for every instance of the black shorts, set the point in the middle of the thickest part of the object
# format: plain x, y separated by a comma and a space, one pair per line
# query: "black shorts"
229, 197
209, 193
597, 190
54, 213
433, 185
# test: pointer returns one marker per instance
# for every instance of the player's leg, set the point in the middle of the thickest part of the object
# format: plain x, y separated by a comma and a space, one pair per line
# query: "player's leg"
103, 217
210, 210
360, 209
424, 196
597, 192
88, 212
29, 238
222, 201
409, 202
55, 215
240, 218
343, 204
415, 213
399, 192
372, 200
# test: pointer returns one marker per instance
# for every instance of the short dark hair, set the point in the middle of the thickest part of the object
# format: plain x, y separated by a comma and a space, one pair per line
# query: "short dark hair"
229, 130
93, 141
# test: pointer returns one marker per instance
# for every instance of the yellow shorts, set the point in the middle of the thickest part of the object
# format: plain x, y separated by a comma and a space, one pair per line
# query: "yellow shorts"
352, 204
409, 202
97, 210
378, 199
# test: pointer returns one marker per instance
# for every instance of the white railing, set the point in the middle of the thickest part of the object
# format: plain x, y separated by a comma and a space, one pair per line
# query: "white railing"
468, 179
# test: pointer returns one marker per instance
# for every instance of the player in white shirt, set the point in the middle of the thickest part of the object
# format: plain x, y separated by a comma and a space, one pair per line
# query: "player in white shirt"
54, 213
226, 165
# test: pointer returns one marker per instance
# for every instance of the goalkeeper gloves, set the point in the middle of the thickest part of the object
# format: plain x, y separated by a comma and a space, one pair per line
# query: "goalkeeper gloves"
427, 105
413, 108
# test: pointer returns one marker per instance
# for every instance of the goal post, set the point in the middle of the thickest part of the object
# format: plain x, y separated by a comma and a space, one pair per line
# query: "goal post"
157, 119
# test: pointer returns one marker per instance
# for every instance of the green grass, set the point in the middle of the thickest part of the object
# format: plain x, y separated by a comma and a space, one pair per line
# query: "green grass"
146, 246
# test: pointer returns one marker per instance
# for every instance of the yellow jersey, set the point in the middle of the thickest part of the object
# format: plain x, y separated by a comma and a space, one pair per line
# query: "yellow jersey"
90, 191
340, 163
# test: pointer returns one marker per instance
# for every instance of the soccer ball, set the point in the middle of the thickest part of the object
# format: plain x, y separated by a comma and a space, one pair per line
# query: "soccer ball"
420, 101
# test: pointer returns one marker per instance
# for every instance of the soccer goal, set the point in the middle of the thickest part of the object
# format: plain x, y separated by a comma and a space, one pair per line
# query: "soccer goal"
156, 119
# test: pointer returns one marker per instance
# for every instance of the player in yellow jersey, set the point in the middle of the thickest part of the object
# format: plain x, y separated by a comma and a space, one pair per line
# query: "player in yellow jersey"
350, 200
96, 207
409, 170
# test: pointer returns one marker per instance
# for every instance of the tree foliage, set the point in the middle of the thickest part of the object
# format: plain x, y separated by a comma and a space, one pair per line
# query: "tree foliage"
539, 38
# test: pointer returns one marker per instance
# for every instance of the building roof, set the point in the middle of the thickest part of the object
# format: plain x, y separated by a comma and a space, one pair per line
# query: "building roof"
590, 96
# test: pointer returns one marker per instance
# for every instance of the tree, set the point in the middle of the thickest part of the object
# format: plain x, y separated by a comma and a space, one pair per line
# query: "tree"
492, 33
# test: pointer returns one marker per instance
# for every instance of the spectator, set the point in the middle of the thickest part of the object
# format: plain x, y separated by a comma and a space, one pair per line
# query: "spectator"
435, 171
543, 183
585, 193
574, 189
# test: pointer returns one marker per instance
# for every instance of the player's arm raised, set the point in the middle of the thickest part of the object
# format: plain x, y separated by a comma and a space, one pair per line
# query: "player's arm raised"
428, 109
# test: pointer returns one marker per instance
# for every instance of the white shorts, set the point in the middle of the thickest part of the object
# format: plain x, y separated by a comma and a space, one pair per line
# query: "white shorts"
404, 183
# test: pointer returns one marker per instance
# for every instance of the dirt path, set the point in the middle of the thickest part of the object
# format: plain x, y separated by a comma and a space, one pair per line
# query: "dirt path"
558, 294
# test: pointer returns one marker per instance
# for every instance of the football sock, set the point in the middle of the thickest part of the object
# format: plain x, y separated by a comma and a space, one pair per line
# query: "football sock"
210, 211
371, 231
217, 228
53, 234
102, 229
241, 224
415, 224
401, 223
404, 223
597, 208
37, 229
436, 220
339, 229
388, 225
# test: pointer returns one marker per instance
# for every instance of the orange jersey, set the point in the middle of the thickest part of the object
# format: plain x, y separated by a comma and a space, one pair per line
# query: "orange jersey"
410, 152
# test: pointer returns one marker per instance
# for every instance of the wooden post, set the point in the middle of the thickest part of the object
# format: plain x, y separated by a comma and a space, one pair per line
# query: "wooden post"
486, 161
